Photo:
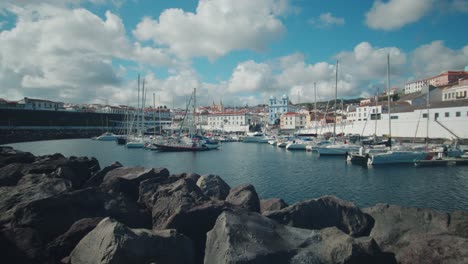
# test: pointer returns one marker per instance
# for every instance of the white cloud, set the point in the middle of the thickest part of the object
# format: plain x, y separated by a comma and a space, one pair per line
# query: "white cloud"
216, 28
250, 76
327, 20
67, 54
434, 58
395, 14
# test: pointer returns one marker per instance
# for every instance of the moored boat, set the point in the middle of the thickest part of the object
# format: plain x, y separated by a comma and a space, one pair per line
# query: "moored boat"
255, 137
107, 137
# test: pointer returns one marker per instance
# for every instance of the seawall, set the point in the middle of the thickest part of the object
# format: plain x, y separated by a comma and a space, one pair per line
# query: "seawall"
19, 125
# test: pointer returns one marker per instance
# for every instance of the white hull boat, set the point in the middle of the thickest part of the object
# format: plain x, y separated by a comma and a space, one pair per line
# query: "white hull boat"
337, 149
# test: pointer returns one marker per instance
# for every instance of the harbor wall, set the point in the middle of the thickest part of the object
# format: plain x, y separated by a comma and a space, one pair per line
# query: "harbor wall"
20, 125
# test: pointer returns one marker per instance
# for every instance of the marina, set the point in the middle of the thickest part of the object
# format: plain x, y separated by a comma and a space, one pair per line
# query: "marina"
292, 175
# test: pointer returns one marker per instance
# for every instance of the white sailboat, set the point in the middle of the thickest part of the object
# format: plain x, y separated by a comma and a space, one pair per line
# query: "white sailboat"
395, 156
190, 142
136, 140
337, 148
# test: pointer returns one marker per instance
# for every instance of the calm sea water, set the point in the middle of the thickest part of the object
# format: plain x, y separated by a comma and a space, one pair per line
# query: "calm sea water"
291, 175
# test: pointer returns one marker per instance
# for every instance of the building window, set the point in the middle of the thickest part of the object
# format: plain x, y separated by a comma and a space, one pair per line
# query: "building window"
436, 115
424, 115
394, 117
457, 114
447, 114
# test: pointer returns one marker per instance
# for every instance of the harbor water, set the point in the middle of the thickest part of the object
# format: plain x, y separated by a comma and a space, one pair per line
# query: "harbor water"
291, 175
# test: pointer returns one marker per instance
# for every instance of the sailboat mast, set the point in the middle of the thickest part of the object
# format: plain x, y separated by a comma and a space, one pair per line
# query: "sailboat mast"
376, 112
138, 104
388, 95
336, 93
427, 123
154, 116
194, 107
142, 117
159, 115
315, 108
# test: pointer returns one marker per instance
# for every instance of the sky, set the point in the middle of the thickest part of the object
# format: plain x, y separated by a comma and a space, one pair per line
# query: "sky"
239, 52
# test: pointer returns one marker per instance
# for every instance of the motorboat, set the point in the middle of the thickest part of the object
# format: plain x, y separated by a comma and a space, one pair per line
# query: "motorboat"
337, 149
314, 145
256, 137
362, 156
107, 137
298, 144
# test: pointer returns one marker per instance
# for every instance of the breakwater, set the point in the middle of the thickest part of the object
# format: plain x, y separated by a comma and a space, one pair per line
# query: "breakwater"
70, 210
20, 125
13, 135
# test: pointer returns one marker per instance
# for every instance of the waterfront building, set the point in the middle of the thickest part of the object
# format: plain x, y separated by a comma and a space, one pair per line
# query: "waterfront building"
293, 120
277, 107
233, 121
39, 104
456, 92
447, 77
442, 79
10, 104
447, 119
420, 98
415, 86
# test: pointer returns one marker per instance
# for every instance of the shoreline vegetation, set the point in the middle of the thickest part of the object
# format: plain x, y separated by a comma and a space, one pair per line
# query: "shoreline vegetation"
57, 209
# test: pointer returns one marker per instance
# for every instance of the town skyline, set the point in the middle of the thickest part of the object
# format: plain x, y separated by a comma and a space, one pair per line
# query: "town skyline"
239, 52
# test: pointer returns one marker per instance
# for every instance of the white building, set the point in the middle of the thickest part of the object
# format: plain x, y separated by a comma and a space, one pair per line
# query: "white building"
277, 107
416, 86
292, 120
39, 104
232, 121
363, 113
456, 92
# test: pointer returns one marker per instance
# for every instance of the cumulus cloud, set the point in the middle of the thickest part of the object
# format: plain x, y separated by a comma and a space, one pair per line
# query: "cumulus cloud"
250, 76
327, 20
395, 14
434, 58
216, 28
360, 71
67, 54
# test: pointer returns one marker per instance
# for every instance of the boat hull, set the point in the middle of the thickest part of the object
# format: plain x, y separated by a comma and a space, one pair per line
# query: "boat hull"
336, 151
394, 157
180, 148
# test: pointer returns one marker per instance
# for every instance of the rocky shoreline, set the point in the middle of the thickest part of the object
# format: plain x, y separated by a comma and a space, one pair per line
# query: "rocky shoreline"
56, 209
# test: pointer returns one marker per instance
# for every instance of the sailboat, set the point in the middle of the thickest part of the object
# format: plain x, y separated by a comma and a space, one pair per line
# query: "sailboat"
395, 156
188, 143
136, 141
336, 148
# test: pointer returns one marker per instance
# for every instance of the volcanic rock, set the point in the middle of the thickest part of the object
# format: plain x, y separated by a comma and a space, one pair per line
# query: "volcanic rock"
53, 216
126, 180
244, 196
63, 245
213, 186
30, 188
272, 204
325, 212
244, 237
113, 242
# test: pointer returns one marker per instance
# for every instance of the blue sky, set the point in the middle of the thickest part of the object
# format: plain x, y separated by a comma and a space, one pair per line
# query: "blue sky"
240, 51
